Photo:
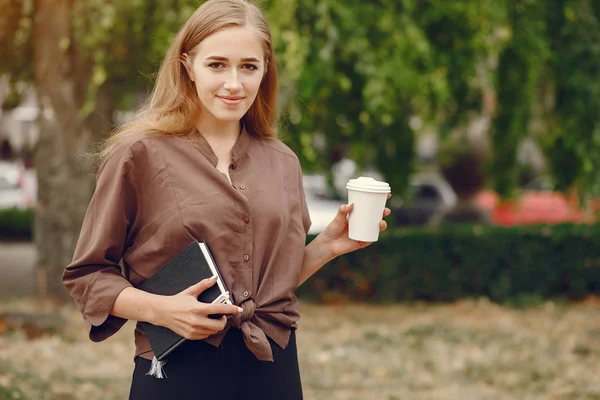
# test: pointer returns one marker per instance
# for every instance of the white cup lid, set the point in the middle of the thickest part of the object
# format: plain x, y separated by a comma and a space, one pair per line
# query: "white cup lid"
368, 184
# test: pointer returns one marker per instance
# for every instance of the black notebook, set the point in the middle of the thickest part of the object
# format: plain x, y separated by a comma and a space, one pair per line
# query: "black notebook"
190, 266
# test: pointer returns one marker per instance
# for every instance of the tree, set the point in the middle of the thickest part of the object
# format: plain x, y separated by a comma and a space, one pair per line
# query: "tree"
551, 63
16, 46
574, 125
368, 68
80, 101
85, 62
518, 73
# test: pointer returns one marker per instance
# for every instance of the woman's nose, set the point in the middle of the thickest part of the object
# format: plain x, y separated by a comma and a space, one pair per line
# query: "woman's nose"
233, 83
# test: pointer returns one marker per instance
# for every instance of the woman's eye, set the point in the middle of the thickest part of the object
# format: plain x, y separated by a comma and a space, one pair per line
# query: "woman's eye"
216, 65
251, 67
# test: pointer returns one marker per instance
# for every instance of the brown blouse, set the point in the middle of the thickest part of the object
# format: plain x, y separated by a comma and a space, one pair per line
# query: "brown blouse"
157, 193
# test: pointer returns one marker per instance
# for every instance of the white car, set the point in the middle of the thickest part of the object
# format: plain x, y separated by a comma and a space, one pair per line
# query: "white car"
16, 186
431, 193
321, 206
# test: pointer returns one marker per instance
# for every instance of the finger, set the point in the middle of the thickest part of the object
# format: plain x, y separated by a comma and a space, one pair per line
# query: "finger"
345, 209
222, 323
389, 195
386, 212
211, 326
199, 334
201, 286
341, 218
204, 325
226, 309
382, 226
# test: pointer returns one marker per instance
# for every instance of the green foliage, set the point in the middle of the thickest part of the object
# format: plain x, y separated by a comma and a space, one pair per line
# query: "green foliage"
573, 140
518, 72
356, 73
552, 61
16, 224
504, 264
126, 41
460, 34
368, 67
16, 47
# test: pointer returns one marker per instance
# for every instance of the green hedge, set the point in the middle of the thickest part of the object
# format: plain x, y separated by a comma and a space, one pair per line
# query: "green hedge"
16, 224
445, 265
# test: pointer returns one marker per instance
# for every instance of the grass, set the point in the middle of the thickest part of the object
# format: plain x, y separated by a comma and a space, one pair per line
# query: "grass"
467, 350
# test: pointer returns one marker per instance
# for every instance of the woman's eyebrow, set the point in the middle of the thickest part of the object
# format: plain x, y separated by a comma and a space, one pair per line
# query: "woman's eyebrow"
219, 58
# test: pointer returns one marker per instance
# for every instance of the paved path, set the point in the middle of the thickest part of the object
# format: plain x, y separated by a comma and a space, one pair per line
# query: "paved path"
17, 269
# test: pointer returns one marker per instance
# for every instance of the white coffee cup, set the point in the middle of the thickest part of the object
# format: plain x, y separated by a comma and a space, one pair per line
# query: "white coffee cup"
368, 196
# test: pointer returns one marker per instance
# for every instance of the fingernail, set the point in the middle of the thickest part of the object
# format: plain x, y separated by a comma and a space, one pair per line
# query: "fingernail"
213, 278
240, 310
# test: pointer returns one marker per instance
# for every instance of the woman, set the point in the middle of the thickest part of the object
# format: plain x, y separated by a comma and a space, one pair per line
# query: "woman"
202, 162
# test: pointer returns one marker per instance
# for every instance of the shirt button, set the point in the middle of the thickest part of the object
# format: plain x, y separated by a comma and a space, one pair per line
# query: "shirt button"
246, 219
246, 293
233, 166
246, 257
243, 187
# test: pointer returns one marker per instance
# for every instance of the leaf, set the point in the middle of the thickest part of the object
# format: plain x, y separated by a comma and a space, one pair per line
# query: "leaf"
64, 44
99, 75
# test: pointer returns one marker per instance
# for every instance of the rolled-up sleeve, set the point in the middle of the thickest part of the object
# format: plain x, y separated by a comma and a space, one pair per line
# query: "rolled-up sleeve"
94, 277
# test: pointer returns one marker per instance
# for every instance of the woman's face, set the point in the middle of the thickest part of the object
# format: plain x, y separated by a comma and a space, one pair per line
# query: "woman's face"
227, 69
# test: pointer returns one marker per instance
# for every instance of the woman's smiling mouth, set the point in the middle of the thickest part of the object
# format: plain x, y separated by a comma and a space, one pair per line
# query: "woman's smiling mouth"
231, 101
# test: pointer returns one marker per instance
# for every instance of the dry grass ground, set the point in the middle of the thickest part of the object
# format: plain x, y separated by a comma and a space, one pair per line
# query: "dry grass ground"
468, 350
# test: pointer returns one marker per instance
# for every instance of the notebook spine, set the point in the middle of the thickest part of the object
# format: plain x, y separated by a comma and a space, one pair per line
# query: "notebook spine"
224, 297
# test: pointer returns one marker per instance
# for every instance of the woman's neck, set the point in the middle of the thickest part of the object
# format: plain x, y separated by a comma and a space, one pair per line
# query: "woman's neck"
219, 131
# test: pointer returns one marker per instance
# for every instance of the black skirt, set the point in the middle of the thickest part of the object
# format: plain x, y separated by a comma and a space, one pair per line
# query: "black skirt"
199, 371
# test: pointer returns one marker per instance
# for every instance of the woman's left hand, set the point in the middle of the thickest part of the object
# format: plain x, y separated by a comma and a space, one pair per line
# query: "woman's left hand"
336, 233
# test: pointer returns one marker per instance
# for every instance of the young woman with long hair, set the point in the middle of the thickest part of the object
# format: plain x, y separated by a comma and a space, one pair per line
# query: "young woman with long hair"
202, 162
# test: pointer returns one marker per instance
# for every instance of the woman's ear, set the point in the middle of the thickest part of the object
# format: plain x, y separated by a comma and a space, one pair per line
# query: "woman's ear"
186, 61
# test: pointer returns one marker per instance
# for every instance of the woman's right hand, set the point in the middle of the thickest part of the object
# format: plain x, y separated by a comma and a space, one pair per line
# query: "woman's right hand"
185, 315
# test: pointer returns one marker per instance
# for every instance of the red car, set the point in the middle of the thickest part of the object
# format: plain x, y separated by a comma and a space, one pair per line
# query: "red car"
536, 207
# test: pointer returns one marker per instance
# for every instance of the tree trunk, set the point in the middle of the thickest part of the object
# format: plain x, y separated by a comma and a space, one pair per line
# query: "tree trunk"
65, 173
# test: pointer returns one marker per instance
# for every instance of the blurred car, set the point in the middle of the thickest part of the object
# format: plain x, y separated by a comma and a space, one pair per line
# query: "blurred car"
322, 206
534, 207
430, 194
15, 186
535, 204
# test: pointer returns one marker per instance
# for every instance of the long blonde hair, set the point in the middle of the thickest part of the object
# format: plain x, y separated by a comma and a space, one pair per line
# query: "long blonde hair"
173, 106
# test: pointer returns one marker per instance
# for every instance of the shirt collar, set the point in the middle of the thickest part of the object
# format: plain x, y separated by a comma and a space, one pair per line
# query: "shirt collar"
239, 148
241, 145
